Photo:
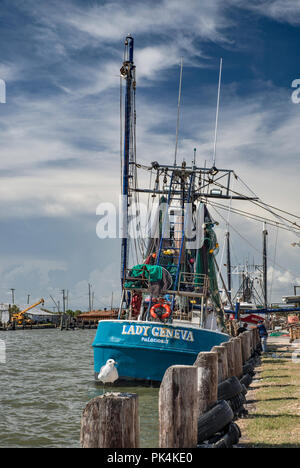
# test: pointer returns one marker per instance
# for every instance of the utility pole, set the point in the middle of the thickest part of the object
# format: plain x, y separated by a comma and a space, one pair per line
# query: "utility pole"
265, 274
64, 310
93, 296
112, 301
57, 304
28, 297
90, 301
12, 295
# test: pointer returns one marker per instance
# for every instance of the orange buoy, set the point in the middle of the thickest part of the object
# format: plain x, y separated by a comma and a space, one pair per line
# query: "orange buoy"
293, 319
160, 311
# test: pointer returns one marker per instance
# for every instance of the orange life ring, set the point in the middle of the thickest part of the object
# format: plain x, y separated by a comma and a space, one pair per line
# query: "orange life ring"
293, 319
155, 315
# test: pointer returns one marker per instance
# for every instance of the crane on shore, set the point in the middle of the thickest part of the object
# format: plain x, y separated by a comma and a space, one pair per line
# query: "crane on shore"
18, 317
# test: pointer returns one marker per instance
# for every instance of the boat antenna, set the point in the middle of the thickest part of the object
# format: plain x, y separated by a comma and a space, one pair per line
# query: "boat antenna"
178, 110
217, 113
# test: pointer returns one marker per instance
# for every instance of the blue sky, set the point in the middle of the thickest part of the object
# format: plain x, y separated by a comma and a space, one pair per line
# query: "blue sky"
59, 128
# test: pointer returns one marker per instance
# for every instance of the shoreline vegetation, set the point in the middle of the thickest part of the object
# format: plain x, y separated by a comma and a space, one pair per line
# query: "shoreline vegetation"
273, 399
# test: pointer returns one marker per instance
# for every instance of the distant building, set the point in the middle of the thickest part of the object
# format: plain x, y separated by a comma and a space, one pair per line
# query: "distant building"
4, 313
41, 316
94, 316
295, 300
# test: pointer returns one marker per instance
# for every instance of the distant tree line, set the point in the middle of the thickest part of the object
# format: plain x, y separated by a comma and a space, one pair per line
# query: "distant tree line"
73, 313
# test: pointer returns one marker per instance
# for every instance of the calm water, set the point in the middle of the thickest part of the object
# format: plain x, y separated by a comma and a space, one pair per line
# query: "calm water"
45, 384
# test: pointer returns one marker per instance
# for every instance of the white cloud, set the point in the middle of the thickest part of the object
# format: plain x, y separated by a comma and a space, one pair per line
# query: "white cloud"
281, 283
279, 10
27, 275
115, 20
9, 72
171, 29
103, 283
60, 148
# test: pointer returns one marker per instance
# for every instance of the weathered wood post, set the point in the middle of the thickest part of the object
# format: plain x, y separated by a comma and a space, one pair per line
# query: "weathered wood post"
256, 337
245, 341
207, 364
249, 340
238, 362
253, 339
229, 345
222, 362
178, 408
111, 421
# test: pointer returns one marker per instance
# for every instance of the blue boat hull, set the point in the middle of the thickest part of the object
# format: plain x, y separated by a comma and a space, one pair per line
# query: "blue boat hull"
144, 350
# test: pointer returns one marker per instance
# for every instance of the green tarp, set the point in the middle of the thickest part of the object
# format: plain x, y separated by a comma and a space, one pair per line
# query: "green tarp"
151, 272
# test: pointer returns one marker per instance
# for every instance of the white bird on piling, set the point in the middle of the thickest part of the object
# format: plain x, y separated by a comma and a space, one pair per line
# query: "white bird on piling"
108, 372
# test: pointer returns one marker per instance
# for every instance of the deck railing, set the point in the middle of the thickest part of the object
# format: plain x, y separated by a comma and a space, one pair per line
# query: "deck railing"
189, 284
193, 283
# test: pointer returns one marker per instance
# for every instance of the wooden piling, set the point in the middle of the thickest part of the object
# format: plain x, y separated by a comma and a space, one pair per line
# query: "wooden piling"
207, 378
229, 345
249, 338
178, 408
245, 346
111, 421
222, 362
238, 361
252, 331
256, 337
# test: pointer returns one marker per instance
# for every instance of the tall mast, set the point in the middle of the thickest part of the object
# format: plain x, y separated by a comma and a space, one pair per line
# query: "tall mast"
228, 263
265, 284
128, 73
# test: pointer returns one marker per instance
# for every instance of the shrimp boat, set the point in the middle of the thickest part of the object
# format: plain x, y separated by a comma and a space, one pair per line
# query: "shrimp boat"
170, 307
